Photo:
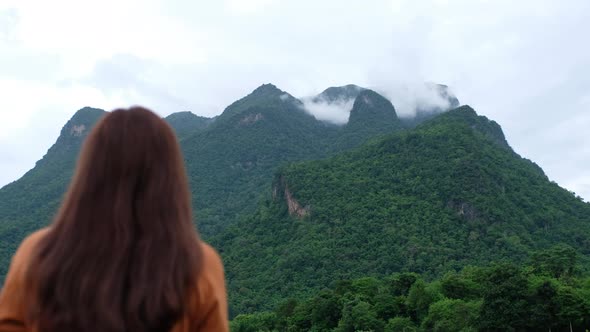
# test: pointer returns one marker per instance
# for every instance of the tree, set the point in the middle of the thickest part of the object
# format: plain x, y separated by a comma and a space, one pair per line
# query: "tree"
450, 315
326, 311
301, 318
504, 306
558, 261
284, 312
358, 315
400, 283
543, 304
259, 322
573, 309
400, 324
455, 286
419, 299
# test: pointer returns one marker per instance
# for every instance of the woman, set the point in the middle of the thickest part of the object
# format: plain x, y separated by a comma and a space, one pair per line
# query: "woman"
122, 253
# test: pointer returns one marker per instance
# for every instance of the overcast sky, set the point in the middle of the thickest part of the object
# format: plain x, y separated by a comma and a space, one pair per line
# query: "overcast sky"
525, 64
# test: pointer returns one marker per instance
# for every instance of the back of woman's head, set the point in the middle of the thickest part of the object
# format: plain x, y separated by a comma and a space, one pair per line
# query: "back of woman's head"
122, 253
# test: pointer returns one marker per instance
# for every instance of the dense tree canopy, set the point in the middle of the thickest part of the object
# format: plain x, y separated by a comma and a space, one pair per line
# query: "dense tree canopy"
501, 297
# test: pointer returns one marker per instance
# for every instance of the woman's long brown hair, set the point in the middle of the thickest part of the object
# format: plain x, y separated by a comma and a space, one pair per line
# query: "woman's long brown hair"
122, 253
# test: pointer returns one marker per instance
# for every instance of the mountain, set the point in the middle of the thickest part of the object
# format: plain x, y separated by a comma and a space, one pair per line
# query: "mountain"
29, 203
230, 159
440, 99
185, 123
371, 115
295, 204
267, 94
444, 100
339, 93
231, 163
447, 194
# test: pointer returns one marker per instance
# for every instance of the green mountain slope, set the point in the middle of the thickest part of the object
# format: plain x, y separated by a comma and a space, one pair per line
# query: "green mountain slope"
231, 164
186, 123
339, 93
230, 160
371, 115
445, 195
29, 203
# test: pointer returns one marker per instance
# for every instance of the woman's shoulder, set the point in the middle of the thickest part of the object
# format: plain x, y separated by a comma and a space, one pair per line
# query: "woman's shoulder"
212, 263
209, 303
27, 245
36, 236
12, 293
211, 275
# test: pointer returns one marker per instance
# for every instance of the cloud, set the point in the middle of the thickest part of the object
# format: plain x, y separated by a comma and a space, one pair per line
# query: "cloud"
409, 96
77, 31
8, 22
246, 7
336, 111
32, 116
127, 77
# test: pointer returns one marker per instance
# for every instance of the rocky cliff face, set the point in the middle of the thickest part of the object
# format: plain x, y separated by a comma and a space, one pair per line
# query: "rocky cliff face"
281, 191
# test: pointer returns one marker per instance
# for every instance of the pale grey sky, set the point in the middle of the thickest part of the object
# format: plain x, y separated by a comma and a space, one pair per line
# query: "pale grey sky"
525, 64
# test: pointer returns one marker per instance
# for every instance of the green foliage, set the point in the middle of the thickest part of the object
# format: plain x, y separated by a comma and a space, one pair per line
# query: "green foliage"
400, 324
260, 322
505, 297
445, 195
359, 315
558, 261
453, 286
420, 298
449, 315
187, 123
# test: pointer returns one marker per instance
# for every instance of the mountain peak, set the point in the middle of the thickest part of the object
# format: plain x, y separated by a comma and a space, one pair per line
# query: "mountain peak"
82, 121
185, 123
86, 114
335, 93
372, 108
447, 94
265, 95
466, 114
371, 115
266, 90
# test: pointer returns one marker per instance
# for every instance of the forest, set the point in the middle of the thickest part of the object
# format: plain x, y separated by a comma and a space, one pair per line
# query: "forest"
547, 294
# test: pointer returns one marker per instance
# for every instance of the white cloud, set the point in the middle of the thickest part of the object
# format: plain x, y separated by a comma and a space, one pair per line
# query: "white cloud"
336, 112
32, 117
84, 31
245, 7
409, 96
8, 21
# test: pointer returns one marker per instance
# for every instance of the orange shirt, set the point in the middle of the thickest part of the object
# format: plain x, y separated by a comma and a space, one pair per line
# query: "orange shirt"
207, 308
